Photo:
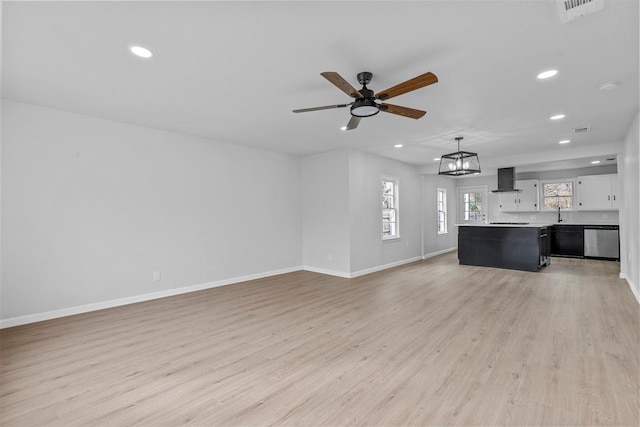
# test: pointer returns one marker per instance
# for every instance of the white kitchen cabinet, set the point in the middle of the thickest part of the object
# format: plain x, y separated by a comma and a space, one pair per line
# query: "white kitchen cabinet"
598, 192
508, 202
615, 203
524, 201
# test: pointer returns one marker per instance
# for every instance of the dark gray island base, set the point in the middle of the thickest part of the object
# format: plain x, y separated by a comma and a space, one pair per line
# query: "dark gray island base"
514, 247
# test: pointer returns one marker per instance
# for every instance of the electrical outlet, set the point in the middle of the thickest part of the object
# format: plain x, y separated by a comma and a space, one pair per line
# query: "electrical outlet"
156, 276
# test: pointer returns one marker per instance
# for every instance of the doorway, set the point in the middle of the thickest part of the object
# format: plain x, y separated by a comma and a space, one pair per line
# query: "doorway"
472, 203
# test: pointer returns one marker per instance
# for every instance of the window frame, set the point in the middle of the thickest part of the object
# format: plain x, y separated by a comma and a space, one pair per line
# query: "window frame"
544, 182
396, 207
443, 203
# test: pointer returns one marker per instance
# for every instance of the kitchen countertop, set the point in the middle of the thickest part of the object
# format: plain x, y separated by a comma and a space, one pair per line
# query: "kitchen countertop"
585, 224
506, 225
580, 224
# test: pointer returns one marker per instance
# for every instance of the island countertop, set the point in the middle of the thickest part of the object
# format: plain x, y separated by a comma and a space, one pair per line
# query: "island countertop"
505, 225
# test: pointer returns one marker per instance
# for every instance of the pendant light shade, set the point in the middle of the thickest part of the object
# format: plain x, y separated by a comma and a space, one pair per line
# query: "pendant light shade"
459, 163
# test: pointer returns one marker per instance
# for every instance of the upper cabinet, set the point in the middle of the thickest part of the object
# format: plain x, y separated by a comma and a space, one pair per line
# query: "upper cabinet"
598, 192
528, 200
525, 201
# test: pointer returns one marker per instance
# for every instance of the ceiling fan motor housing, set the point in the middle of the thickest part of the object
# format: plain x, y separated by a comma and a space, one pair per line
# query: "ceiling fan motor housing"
364, 78
367, 105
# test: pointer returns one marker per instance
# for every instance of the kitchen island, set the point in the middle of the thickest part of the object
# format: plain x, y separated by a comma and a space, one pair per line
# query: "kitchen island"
518, 246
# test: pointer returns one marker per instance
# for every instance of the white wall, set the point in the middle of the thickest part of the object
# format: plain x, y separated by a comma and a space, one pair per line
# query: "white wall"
492, 208
342, 201
629, 218
91, 207
435, 243
368, 251
325, 213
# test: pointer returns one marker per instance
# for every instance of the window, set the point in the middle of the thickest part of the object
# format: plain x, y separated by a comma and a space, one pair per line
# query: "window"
390, 212
557, 194
472, 206
441, 202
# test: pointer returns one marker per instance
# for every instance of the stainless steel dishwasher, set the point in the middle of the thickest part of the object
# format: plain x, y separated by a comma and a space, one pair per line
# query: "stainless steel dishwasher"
602, 241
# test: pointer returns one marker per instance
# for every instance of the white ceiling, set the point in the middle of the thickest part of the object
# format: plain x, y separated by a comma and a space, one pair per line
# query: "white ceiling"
233, 71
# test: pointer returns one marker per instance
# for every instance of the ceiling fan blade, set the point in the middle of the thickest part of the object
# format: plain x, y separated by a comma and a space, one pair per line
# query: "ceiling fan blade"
415, 83
353, 123
326, 107
402, 111
341, 84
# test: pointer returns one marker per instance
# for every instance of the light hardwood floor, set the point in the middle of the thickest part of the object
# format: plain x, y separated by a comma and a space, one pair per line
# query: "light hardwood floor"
429, 343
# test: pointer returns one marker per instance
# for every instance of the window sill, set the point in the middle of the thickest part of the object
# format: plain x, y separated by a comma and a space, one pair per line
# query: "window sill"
387, 239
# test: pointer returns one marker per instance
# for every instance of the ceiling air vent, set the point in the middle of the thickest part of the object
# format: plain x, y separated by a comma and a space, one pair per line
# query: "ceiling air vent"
583, 129
570, 10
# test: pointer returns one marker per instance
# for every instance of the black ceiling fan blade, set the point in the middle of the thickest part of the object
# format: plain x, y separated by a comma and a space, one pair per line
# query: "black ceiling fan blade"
422, 80
402, 111
353, 123
341, 84
326, 107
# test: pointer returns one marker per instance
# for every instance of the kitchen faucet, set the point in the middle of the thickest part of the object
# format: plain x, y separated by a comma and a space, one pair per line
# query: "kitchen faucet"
559, 218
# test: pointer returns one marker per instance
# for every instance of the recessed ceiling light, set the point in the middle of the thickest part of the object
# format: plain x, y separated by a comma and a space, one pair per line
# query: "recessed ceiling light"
557, 117
437, 159
564, 141
398, 146
343, 128
595, 162
140, 51
547, 74
609, 85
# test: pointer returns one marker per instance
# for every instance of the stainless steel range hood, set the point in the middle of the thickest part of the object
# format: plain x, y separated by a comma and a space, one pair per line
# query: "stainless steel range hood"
506, 181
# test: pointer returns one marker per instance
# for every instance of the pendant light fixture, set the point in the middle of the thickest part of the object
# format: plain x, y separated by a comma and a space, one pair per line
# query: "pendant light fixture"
459, 163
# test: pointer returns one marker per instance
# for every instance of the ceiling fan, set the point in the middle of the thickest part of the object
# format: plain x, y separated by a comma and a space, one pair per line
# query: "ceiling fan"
367, 103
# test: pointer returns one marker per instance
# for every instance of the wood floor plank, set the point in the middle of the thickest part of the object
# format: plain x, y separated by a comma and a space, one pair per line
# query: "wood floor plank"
427, 343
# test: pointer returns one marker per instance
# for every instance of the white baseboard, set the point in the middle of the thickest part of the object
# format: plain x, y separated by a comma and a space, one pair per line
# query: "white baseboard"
361, 272
384, 267
634, 289
327, 271
443, 251
70, 311
54, 314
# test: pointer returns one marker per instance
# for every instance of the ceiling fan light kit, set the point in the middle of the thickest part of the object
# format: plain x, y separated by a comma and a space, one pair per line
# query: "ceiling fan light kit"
364, 108
459, 163
368, 103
